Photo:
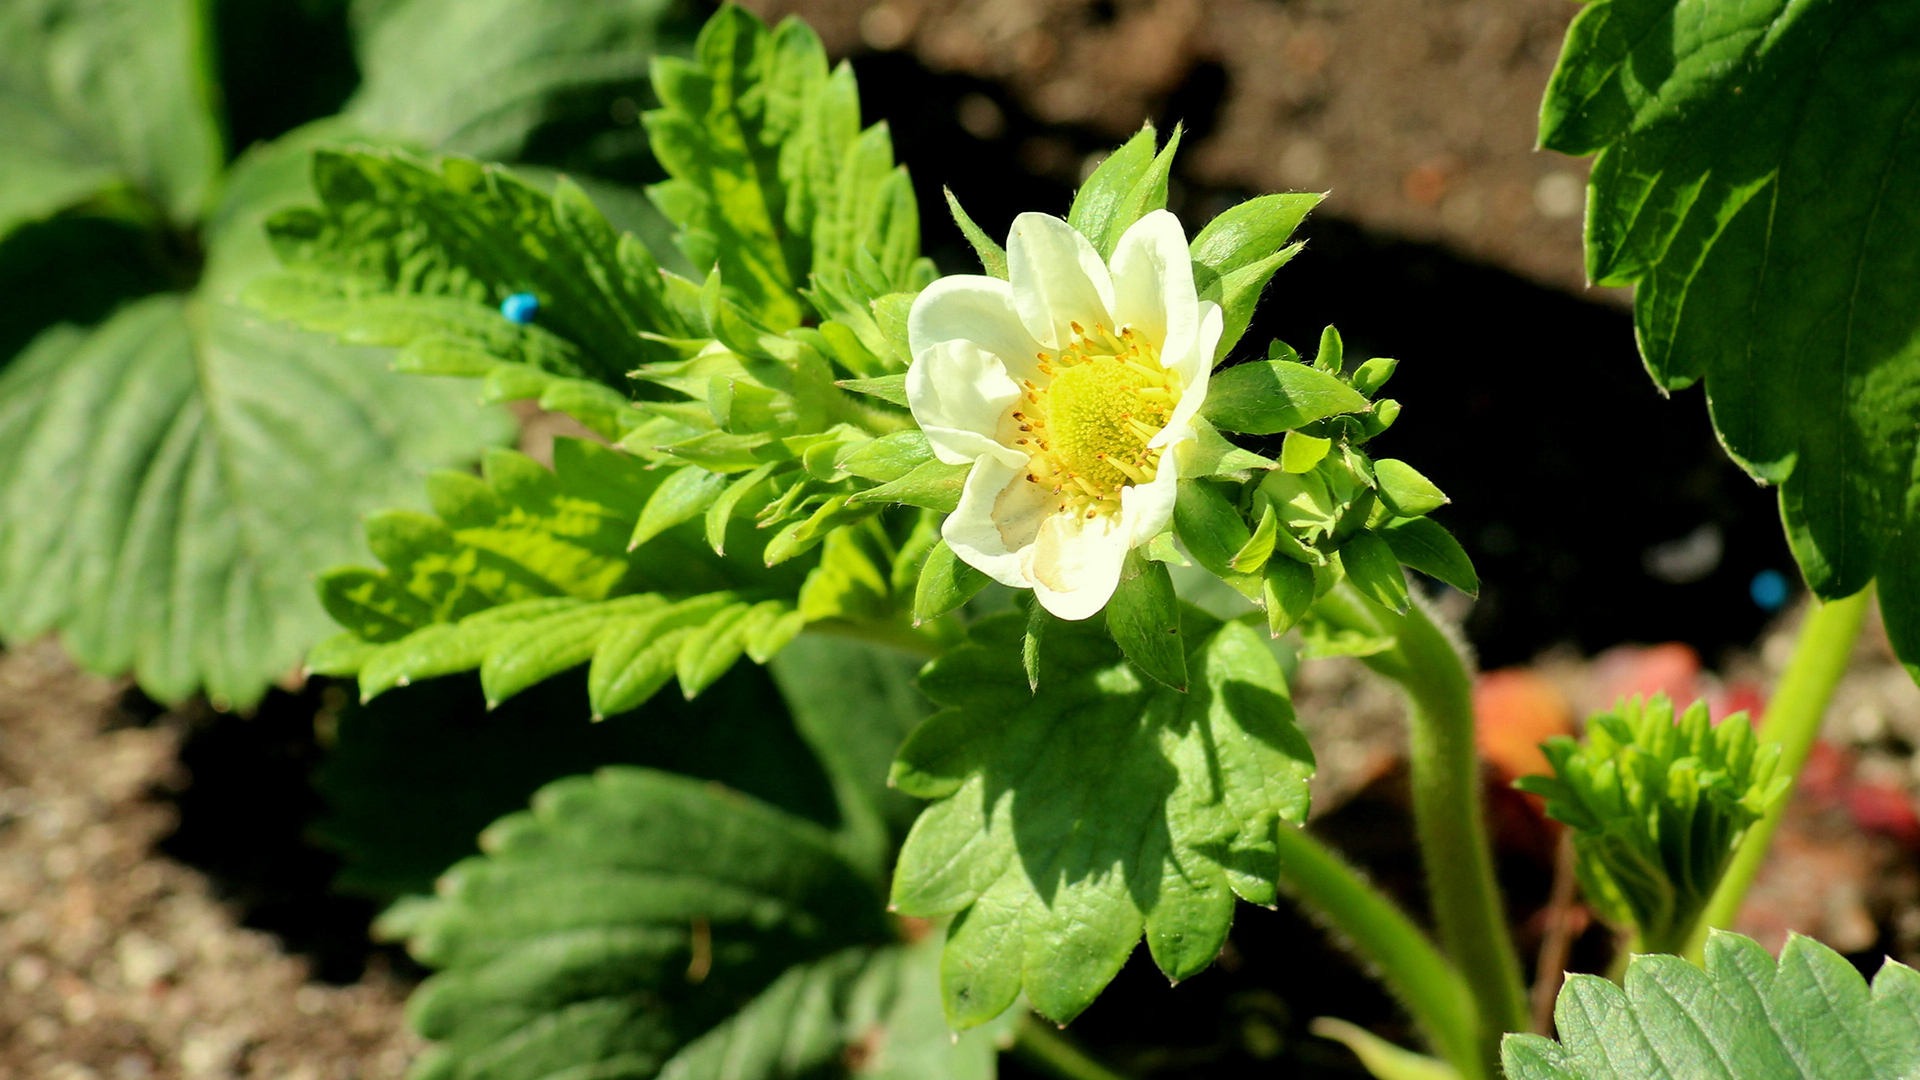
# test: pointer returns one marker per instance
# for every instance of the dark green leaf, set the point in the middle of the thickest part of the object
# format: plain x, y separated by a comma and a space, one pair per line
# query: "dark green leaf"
411, 778
1213, 531
1810, 1014
1071, 821
1267, 396
1425, 545
1756, 180
1144, 619
175, 478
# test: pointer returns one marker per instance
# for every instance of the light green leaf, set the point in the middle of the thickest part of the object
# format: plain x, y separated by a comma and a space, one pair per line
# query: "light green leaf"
419, 257
525, 573
96, 94
1405, 491
933, 485
773, 182
478, 76
1267, 396
1757, 180
1810, 1014
174, 479
1073, 820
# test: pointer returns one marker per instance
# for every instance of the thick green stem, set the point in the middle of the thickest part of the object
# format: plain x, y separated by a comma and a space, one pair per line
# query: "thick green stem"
1056, 1055
1444, 770
1373, 926
1793, 720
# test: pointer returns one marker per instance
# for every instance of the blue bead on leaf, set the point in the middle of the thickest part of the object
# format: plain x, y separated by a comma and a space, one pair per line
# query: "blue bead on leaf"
520, 308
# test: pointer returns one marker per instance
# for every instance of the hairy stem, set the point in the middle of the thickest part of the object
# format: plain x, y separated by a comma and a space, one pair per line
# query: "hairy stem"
1373, 926
1792, 720
1448, 818
1050, 1052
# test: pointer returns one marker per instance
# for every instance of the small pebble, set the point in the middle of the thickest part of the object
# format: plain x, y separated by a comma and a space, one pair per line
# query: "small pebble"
520, 308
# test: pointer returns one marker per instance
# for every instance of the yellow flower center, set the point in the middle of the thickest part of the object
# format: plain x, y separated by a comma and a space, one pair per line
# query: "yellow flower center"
1087, 427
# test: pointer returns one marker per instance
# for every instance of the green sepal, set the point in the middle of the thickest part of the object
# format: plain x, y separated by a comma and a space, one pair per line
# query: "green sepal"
945, 584
891, 389
1288, 591
1425, 545
1267, 396
1128, 185
1144, 619
1372, 375
1236, 254
1213, 531
993, 257
933, 485
1300, 452
1405, 491
1332, 355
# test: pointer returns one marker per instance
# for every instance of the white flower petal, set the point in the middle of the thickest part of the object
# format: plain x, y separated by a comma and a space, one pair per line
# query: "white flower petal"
1153, 284
958, 392
972, 532
1195, 369
1057, 279
1076, 564
1145, 509
969, 307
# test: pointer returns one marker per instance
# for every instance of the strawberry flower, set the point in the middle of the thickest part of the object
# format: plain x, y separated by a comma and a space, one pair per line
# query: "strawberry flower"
1071, 389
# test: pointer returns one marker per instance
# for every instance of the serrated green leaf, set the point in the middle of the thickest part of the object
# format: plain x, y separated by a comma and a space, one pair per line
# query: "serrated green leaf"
1267, 396
1071, 821
1746, 1015
1425, 545
411, 778
626, 916
402, 253
772, 179
1756, 183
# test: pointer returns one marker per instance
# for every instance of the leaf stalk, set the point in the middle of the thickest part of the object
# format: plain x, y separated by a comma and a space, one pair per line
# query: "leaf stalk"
1449, 819
1430, 988
1792, 719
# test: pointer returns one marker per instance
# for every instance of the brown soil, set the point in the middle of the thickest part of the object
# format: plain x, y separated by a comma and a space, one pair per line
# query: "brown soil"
1419, 116
119, 964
